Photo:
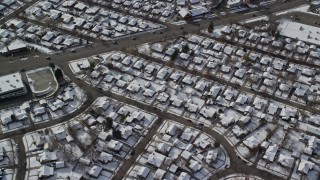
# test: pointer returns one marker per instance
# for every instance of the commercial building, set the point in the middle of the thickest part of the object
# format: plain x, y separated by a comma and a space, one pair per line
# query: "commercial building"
14, 47
11, 85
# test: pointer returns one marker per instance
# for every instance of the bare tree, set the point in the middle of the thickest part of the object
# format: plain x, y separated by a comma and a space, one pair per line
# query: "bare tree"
291, 77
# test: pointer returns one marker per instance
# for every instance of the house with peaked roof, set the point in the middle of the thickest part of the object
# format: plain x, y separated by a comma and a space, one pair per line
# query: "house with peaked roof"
251, 142
45, 171
114, 145
305, 166
184, 176
194, 165
143, 172
75, 176
187, 135
202, 142
60, 134
95, 171
171, 130
156, 159
285, 160
271, 153
163, 148
46, 156
105, 157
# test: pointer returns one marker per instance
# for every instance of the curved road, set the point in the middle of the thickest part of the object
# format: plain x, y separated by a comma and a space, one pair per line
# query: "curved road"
62, 59
237, 165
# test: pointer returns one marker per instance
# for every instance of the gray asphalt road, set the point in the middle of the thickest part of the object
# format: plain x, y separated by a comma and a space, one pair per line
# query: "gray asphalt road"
237, 166
125, 43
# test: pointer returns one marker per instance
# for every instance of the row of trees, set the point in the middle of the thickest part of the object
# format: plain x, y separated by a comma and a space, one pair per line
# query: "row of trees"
210, 27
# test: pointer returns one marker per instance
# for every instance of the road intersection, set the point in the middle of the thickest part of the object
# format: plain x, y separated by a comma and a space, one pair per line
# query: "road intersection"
36, 60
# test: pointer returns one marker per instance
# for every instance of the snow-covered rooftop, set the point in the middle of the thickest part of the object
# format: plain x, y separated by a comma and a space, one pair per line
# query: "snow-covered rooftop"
10, 83
299, 31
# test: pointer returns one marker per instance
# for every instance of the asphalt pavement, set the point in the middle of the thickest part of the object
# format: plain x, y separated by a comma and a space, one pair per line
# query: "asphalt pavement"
37, 59
14, 64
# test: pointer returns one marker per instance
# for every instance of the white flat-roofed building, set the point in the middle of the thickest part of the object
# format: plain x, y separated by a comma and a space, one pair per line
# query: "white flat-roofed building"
234, 4
11, 85
303, 32
14, 47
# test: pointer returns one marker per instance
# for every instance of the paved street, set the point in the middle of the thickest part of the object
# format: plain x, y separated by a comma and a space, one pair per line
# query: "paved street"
125, 44
237, 165
62, 59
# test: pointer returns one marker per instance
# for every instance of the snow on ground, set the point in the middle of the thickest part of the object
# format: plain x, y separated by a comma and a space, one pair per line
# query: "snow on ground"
144, 48
240, 177
178, 147
8, 152
9, 174
29, 141
42, 49
78, 65
260, 18
303, 8
9, 159
261, 129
